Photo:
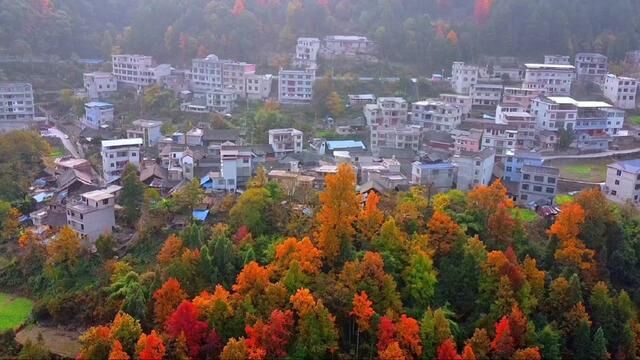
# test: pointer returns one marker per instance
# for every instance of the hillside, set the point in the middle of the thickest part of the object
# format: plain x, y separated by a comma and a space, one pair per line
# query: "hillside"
426, 34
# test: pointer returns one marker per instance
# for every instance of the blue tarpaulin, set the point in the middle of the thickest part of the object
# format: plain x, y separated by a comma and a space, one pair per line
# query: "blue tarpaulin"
43, 196
200, 215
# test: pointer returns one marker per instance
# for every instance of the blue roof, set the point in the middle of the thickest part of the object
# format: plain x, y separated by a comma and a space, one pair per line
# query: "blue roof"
632, 166
200, 215
205, 179
435, 166
98, 104
344, 144
40, 197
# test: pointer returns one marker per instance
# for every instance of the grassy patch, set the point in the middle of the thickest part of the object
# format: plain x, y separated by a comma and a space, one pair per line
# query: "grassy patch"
526, 215
635, 120
563, 199
592, 170
13, 311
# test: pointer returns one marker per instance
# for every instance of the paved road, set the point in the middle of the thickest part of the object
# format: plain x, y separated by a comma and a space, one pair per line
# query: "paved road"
65, 141
594, 155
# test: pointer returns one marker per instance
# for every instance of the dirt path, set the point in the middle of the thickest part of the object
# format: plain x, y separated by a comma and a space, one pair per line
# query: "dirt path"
59, 342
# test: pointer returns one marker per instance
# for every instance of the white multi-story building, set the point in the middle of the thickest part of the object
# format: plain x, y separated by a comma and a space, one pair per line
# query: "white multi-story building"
406, 137
592, 67
486, 95
16, 103
285, 141
92, 215
387, 112
99, 84
116, 154
296, 86
557, 60
474, 168
464, 101
501, 138
623, 181
463, 77
593, 122
236, 168
346, 45
258, 87
538, 184
621, 91
138, 70
307, 52
147, 130
525, 125
213, 74
222, 101
98, 114
436, 115
553, 79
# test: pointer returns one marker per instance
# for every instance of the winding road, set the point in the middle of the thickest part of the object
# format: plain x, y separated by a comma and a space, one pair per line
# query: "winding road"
593, 155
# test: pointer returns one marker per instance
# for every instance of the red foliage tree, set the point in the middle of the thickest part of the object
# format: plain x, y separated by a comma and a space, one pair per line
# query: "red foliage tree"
408, 334
386, 333
447, 351
270, 339
503, 345
467, 353
518, 324
185, 321
150, 347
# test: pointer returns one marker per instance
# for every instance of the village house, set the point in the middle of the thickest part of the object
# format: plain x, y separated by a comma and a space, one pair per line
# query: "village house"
117, 154
387, 112
592, 67
92, 214
553, 79
98, 114
623, 181
138, 70
99, 84
463, 77
296, 86
621, 91
17, 107
147, 130
307, 52
438, 176
474, 168
436, 115
538, 185
285, 141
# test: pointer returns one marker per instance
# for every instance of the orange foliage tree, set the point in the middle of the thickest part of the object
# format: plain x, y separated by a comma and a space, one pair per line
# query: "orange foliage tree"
150, 347
340, 208
170, 251
370, 218
117, 352
167, 299
363, 311
252, 280
443, 232
392, 352
304, 252
447, 351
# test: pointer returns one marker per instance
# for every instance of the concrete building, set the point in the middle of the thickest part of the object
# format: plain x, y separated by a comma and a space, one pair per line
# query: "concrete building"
385, 175
346, 46
438, 176
515, 160
464, 101
387, 112
258, 87
538, 185
501, 138
307, 52
436, 115
99, 84
486, 95
138, 70
557, 60
463, 77
407, 137
525, 125
466, 140
621, 91
98, 114
92, 215
623, 181
520, 96
214, 74
117, 154
296, 86
236, 166
17, 105
285, 141
361, 99
474, 168
552, 79
592, 67
222, 101
147, 130
593, 122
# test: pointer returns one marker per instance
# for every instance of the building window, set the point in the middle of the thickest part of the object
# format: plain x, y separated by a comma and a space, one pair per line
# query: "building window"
617, 182
509, 168
524, 197
550, 190
613, 192
618, 173
526, 176
537, 188
551, 180
525, 186
477, 163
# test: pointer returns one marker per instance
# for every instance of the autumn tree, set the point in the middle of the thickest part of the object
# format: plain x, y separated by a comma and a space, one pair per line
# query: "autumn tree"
235, 349
363, 312
503, 345
96, 343
171, 250
316, 326
447, 351
117, 352
150, 347
340, 207
308, 257
252, 280
270, 340
251, 210
571, 252
184, 322
188, 197
532, 353
370, 218
10, 224
125, 330
467, 353
167, 299
443, 232
335, 104
501, 225
65, 248
392, 352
